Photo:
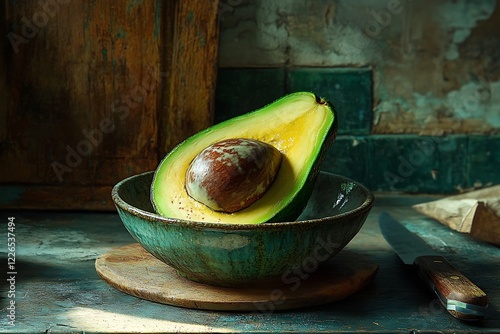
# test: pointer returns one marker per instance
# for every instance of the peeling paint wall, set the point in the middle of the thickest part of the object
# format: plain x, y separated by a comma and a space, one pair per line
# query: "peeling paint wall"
436, 64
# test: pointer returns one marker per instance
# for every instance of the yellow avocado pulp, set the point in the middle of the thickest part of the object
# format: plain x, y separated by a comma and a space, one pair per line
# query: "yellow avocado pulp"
300, 125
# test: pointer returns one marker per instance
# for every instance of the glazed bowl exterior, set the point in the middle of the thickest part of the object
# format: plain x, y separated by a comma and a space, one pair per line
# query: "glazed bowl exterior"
247, 254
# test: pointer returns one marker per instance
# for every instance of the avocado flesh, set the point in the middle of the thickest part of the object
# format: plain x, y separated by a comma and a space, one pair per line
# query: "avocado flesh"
300, 125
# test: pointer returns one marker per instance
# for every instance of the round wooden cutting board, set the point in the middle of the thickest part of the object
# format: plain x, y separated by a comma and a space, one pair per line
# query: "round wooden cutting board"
133, 270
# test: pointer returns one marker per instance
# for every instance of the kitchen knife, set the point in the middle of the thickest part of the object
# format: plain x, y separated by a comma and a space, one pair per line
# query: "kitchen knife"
461, 298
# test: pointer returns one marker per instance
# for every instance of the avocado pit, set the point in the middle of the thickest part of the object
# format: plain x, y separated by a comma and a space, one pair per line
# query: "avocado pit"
231, 174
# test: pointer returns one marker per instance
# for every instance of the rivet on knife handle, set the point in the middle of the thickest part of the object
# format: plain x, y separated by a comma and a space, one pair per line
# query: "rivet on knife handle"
462, 299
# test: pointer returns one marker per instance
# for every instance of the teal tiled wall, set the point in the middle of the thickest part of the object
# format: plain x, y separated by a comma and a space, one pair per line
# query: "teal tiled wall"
483, 163
404, 163
348, 157
349, 90
415, 163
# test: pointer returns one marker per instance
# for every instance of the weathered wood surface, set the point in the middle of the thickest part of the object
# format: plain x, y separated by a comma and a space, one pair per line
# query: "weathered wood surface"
58, 289
133, 270
95, 91
53, 197
191, 64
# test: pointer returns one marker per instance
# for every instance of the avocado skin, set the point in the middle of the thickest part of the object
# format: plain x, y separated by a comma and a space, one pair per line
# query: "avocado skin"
293, 210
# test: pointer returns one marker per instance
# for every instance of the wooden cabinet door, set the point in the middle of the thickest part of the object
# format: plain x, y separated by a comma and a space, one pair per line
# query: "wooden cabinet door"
95, 91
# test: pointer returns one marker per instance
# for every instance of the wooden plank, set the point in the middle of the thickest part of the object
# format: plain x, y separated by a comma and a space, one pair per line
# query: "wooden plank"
131, 268
35, 197
189, 97
85, 82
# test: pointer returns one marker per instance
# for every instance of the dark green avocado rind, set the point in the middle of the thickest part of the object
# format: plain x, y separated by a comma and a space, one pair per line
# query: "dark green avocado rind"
293, 210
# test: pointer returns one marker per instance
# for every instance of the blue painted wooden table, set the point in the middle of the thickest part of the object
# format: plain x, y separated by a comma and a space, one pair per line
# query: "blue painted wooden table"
57, 289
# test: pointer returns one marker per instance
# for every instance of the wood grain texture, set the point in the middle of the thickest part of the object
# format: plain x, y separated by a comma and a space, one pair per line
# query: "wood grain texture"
85, 81
89, 64
133, 270
191, 48
41, 197
452, 285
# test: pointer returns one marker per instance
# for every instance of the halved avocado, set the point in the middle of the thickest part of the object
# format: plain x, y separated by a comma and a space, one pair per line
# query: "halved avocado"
301, 126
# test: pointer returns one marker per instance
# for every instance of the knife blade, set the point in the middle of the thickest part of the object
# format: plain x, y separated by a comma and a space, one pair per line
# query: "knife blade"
460, 296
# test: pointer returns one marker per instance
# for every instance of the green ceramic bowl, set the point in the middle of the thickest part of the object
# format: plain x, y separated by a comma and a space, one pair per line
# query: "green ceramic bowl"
242, 254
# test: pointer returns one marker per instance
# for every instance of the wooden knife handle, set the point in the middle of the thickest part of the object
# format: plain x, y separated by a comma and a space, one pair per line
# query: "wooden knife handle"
462, 299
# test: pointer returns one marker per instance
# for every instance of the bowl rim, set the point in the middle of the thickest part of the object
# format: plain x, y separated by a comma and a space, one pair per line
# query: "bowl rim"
150, 216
